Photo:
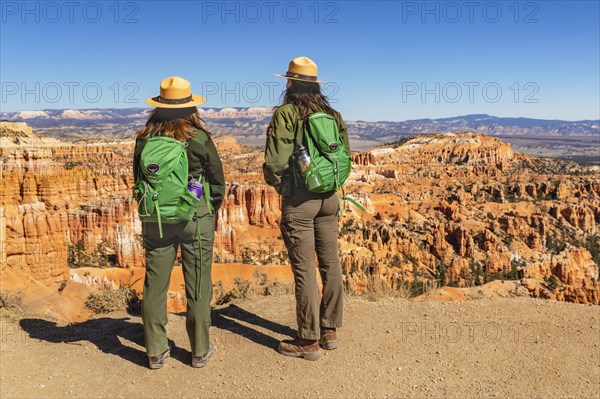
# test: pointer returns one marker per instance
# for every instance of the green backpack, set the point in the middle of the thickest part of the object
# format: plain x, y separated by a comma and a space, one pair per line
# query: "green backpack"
162, 184
330, 158
327, 152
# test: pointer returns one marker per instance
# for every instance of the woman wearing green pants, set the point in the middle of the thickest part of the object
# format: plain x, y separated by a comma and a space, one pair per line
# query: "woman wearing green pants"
176, 116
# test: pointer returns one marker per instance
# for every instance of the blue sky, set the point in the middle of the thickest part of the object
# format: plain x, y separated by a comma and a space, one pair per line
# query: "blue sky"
387, 60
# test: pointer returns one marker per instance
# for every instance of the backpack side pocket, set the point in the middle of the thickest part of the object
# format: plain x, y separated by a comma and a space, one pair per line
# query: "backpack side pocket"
143, 195
187, 206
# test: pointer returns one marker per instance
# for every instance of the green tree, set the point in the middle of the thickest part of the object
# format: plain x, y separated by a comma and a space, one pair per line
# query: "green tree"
593, 246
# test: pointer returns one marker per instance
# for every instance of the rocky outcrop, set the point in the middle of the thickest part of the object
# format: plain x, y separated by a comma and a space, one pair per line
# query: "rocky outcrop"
250, 205
431, 155
476, 211
578, 216
59, 198
33, 242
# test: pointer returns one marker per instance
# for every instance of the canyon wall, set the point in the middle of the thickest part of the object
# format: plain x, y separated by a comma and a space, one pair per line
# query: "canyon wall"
453, 209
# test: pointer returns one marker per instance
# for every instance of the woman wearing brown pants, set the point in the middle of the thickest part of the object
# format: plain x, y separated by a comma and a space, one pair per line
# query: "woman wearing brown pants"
309, 221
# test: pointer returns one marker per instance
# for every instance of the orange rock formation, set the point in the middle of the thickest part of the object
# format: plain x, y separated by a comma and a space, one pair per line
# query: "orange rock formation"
454, 209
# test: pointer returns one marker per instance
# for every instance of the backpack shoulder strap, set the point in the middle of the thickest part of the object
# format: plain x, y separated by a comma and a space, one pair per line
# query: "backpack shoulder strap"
299, 134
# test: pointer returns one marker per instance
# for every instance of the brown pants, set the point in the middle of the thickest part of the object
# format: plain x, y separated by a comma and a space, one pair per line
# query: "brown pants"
309, 223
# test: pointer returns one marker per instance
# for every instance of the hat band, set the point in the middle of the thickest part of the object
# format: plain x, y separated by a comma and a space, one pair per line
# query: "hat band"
300, 76
162, 100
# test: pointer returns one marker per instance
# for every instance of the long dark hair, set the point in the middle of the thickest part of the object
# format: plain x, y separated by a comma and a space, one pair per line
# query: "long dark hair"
178, 123
307, 97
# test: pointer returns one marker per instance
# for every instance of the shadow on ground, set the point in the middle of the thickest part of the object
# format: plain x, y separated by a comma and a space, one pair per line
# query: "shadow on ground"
106, 333
103, 332
261, 332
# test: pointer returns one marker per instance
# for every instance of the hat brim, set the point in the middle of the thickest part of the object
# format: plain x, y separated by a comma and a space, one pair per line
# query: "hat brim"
196, 100
302, 80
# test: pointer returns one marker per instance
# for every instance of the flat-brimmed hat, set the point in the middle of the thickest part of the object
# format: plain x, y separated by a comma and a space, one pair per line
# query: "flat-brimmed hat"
302, 68
175, 92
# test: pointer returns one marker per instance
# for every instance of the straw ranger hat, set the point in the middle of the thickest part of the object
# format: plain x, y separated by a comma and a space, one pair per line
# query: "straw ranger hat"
303, 69
175, 92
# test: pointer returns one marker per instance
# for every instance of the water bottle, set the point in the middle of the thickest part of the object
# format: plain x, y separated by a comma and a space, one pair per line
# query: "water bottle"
307, 169
302, 158
195, 187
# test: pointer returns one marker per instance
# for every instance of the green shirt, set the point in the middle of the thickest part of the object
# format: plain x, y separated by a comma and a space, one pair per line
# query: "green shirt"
285, 126
203, 159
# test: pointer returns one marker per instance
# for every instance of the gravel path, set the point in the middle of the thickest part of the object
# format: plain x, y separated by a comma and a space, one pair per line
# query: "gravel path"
502, 347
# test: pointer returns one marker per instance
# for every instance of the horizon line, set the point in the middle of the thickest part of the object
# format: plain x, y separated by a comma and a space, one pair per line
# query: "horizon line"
355, 120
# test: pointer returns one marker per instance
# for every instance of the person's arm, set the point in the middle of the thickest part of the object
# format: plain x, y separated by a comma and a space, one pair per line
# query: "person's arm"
343, 132
204, 160
136, 160
213, 169
279, 147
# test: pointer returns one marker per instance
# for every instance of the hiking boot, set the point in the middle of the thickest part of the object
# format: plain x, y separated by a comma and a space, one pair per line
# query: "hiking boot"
201, 361
305, 348
328, 339
157, 362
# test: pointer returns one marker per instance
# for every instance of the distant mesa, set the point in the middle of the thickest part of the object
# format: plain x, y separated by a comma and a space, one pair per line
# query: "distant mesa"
378, 130
31, 115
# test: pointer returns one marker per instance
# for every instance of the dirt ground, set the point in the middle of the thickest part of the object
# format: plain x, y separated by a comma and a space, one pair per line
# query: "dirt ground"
502, 347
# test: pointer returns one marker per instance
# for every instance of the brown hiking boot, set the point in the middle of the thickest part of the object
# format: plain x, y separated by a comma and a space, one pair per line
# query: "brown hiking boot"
305, 348
328, 339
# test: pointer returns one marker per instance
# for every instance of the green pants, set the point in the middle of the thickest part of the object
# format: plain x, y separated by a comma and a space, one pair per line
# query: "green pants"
309, 224
197, 264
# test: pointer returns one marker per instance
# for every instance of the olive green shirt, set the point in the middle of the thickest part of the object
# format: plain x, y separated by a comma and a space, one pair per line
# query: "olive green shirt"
203, 159
284, 130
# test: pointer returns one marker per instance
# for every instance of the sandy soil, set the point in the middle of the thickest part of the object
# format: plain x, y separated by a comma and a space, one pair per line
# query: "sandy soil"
502, 347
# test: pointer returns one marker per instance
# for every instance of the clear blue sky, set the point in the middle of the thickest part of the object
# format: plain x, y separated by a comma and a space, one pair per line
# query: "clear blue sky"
388, 60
